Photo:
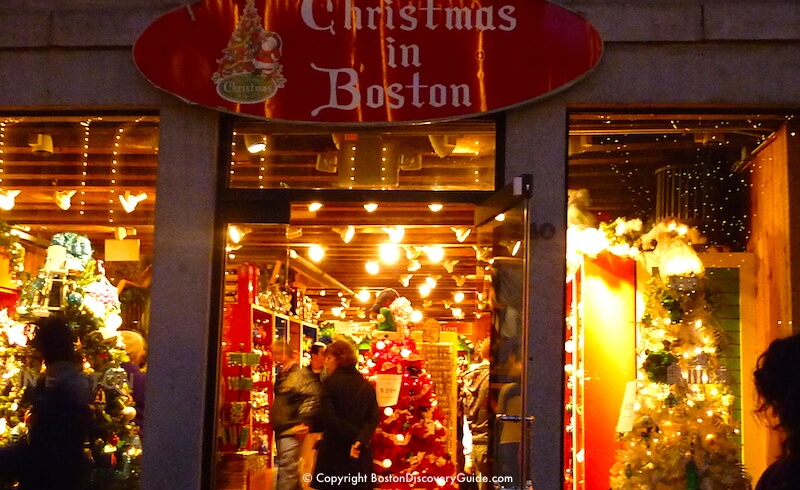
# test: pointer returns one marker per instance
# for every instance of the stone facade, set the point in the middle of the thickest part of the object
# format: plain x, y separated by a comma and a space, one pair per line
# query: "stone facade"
75, 54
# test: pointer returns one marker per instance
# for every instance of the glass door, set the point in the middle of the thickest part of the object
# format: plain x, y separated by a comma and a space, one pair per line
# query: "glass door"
502, 255
256, 305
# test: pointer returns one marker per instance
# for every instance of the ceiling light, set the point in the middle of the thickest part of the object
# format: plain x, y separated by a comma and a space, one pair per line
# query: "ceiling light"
416, 316
515, 248
460, 280
395, 233
431, 281
314, 207
389, 253
120, 232
372, 267
461, 233
63, 199
449, 265
347, 234
7, 199
236, 234
255, 143
424, 290
364, 295
500, 217
43, 146
413, 265
442, 144
457, 313
458, 296
316, 253
435, 254
412, 252
370, 207
130, 201
435, 207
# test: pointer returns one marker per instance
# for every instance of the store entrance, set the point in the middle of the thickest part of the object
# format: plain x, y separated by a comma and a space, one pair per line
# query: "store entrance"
417, 288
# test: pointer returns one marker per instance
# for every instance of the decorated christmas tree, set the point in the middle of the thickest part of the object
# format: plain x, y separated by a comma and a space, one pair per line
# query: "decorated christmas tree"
409, 445
73, 284
681, 432
251, 49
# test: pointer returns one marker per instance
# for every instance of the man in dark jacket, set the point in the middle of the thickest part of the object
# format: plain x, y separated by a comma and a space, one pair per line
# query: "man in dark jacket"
297, 398
53, 456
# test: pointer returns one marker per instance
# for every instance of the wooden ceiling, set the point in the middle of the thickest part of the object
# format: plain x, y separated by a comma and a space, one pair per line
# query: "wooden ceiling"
631, 164
343, 268
96, 159
615, 156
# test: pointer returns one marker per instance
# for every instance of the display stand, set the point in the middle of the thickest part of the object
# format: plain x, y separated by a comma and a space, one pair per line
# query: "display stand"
600, 359
245, 432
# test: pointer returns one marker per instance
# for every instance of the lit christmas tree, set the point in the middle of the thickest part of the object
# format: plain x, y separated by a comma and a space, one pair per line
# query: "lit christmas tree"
73, 284
409, 445
683, 435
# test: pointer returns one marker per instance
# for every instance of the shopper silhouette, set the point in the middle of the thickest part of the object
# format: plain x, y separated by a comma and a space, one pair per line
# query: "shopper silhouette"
297, 398
350, 415
776, 380
53, 455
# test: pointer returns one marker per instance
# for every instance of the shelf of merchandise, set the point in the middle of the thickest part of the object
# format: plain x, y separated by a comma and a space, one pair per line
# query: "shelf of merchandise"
245, 436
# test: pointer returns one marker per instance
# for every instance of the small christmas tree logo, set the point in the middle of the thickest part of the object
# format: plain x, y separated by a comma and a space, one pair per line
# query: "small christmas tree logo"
249, 71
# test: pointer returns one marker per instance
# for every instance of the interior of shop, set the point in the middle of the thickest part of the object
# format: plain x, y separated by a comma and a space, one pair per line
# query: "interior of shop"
637, 182
319, 275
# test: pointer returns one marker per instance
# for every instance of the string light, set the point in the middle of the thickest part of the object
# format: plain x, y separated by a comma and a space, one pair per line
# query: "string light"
113, 179
85, 163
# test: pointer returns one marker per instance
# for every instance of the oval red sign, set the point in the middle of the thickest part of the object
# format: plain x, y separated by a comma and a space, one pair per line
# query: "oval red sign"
366, 61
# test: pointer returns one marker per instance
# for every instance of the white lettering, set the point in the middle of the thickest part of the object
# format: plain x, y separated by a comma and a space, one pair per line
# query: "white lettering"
506, 13
345, 81
375, 96
396, 100
460, 18
484, 19
307, 14
383, 16
410, 54
349, 87
407, 14
430, 11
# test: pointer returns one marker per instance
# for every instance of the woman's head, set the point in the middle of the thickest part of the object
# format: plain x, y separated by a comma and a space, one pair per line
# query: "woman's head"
54, 339
340, 353
776, 375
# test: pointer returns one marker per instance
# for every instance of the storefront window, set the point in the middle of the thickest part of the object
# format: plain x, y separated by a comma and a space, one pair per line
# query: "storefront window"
398, 281
455, 156
77, 199
671, 220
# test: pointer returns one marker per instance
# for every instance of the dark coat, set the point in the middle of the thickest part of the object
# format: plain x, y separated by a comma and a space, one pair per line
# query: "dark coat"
296, 399
350, 413
783, 474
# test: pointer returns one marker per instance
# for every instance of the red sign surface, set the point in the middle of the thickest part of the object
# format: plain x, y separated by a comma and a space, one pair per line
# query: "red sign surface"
366, 61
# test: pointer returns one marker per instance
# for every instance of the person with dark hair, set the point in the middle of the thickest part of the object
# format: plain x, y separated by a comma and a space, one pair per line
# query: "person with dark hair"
297, 395
60, 420
776, 381
308, 448
475, 407
350, 415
